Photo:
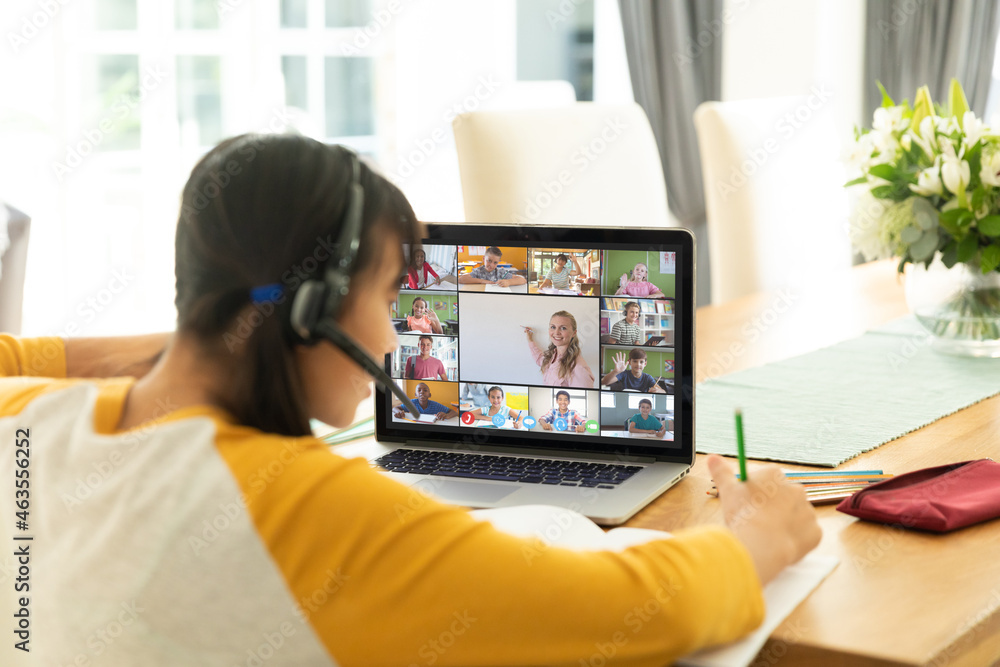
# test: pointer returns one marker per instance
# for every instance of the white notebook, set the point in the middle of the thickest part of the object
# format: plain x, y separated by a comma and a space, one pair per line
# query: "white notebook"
575, 531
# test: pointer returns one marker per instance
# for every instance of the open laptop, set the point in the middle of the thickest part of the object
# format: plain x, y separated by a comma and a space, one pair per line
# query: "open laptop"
509, 426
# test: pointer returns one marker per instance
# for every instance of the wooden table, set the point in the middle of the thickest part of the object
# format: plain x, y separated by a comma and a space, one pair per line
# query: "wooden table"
897, 597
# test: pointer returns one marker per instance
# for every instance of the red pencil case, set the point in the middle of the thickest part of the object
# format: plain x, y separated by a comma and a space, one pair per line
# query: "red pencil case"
938, 499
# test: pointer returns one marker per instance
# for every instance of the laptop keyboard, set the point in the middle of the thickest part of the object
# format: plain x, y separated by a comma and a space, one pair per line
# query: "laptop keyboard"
507, 468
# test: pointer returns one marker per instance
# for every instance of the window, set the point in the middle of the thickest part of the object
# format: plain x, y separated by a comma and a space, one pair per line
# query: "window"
993, 98
153, 86
127, 95
556, 42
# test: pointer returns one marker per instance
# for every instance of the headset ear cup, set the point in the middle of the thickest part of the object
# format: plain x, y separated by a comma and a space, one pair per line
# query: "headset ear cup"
307, 308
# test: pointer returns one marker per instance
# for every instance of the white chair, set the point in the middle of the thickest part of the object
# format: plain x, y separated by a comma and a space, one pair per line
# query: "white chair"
13, 261
774, 196
582, 164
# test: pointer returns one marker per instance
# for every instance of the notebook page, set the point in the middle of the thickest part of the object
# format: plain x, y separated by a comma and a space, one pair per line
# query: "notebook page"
558, 526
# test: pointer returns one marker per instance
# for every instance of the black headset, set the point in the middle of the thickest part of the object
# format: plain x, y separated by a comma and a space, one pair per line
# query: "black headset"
317, 302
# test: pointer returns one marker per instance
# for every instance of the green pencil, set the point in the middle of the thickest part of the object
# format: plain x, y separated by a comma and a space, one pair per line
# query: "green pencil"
739, 445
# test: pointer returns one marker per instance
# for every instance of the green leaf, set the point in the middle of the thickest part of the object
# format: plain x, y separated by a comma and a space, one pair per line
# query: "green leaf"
922, 107
925, 217
857, 181
990, 225
910, 234
886, 171
952, 215
886, 100
957, 104
956, 221
966, 248
978, 194
990, 258
924, 247
895, 192
949, 255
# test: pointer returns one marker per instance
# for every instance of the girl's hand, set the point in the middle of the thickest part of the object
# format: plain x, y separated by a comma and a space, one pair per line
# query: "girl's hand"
621, 362
623, 281
433, 316
503, 282
528, 331
778, 531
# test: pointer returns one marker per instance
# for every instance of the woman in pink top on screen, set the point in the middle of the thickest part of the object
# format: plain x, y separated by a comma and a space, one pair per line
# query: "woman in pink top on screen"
422, 318
561, 364
637, 284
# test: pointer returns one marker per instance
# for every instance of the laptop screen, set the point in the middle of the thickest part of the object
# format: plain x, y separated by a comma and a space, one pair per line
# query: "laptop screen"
568, 338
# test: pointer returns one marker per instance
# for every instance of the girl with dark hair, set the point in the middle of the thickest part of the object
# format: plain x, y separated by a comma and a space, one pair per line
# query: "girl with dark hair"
189, 506
419, 271
423, 318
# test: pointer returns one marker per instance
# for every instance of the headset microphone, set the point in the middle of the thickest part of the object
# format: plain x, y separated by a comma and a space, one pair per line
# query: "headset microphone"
330, 331
317, 302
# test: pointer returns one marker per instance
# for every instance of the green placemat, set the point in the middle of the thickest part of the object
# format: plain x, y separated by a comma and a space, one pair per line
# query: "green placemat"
830, 405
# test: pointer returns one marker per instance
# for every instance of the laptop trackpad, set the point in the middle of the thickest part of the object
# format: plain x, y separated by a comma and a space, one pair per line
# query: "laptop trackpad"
466, 493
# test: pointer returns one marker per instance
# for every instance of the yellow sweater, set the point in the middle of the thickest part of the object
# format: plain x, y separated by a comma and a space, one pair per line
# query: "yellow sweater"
194, 540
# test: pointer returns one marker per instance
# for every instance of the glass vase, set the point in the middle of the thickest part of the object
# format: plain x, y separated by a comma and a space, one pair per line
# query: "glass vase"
960, 307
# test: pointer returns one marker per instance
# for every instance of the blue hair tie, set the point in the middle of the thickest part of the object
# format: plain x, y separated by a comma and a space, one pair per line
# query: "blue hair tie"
266, 293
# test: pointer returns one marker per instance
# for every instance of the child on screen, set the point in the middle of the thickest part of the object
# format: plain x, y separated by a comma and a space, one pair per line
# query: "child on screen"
422, 318
418, 271
574, 420
644, 423
630, 373
425, 406
497, 406
423, 366
637, 283
627, 331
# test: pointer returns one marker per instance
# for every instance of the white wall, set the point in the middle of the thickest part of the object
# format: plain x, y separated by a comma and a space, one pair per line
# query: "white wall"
776, 48
493, 346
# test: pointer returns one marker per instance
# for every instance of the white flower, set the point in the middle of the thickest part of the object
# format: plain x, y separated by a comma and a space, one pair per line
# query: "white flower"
925, 137
906, 142
955, 173
866, 228
859, 155
946, 125
974, 129
929, 180
928, 134
889, 121
989, 174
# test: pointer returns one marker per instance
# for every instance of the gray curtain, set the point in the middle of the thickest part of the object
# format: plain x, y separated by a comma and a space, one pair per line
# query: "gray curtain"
909, 44
675, 63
